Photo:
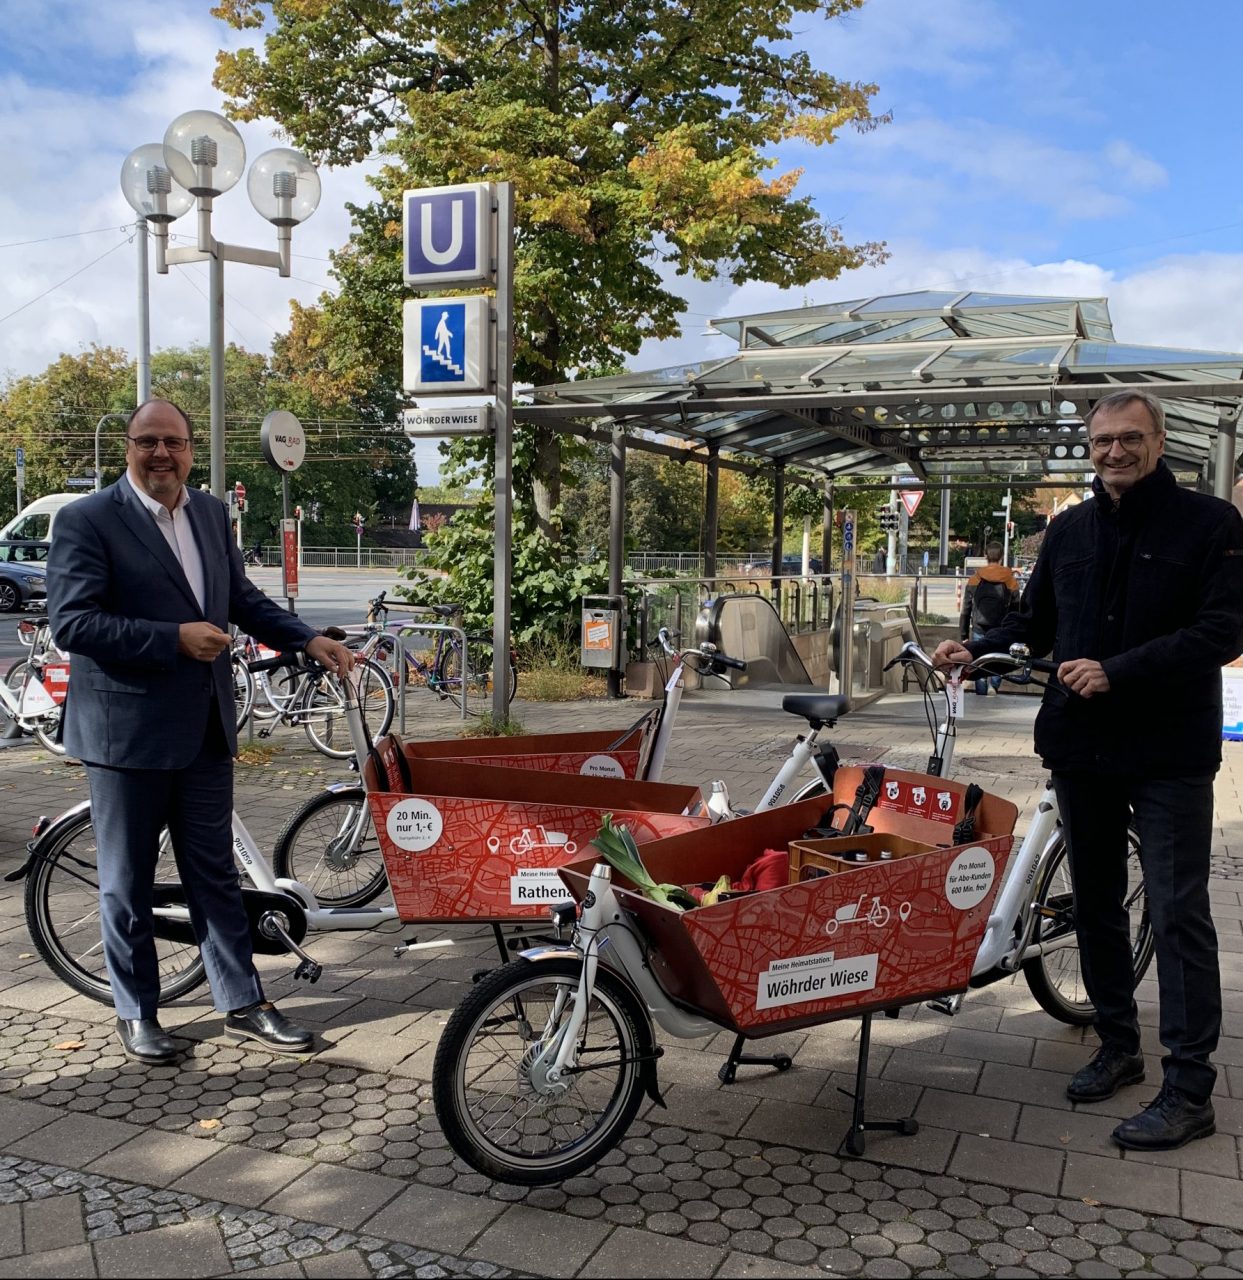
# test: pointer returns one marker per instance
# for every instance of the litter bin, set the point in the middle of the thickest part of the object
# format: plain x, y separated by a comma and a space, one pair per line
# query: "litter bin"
603, 628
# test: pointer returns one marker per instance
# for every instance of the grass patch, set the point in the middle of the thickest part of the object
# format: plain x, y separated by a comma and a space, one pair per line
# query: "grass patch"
485, 726
554, 684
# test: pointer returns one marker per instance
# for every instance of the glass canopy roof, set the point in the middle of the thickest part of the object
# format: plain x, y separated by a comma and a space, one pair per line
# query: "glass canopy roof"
939, 382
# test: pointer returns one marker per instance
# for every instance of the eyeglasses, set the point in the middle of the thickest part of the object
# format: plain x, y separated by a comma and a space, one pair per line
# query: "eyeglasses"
1129, 440
149, 444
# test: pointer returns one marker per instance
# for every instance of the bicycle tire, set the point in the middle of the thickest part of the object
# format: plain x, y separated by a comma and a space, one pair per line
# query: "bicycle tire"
1054, 977
322, 709
485, 1043
314, 848
243, 690
62, 916
449, 672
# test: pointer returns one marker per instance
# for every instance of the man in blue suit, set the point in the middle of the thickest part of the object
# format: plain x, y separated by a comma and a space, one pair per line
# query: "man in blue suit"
143, 581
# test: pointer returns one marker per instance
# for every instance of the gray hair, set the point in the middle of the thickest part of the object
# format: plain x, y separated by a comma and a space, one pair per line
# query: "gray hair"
1129, 396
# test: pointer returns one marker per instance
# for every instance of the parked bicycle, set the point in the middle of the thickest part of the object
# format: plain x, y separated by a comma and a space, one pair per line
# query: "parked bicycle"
542, 1066
62, 883
446, 669
35, 687
309, 696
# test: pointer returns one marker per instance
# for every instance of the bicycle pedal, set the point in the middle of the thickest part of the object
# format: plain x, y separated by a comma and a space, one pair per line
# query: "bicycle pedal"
309, 971
264, 733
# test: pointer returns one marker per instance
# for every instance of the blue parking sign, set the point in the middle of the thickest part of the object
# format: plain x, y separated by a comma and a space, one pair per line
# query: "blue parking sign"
447, 235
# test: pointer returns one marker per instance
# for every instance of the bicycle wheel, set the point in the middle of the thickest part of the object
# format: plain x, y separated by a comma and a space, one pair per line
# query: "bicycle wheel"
1054, 976
324, 847
498, 1111
243, 690
323, 709
62, 914
449, 672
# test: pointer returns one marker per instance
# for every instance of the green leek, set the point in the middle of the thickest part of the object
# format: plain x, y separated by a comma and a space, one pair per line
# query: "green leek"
618, 847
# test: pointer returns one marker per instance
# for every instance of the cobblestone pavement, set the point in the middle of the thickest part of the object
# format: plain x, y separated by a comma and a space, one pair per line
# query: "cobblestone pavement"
238, 1160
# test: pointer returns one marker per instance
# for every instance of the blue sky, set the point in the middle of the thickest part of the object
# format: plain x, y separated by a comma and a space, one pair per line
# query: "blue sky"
1047, 147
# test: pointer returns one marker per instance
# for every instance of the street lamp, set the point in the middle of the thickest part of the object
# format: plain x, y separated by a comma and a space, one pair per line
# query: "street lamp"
203, 156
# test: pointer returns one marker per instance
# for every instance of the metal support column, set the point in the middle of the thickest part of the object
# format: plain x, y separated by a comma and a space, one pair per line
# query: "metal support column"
503, 491
779, 515
143, 360
712, 484
617, 547
217, 374
1225, 454
826, 528
944, 552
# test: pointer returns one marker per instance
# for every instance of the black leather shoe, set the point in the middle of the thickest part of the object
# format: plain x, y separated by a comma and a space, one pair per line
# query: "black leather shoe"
1170, 1120
266, 1023
1108, 1071
144, 1040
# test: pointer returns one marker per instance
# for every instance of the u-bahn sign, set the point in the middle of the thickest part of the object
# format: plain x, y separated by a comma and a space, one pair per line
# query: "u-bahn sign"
447, 236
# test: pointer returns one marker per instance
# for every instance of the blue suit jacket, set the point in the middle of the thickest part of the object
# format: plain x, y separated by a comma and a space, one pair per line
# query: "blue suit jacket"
117, 596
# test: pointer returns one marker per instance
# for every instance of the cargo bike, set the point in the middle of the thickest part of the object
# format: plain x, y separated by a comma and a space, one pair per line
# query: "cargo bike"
544, 1064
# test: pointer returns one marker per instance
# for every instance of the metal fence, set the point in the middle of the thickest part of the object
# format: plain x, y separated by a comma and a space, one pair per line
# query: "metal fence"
349, 557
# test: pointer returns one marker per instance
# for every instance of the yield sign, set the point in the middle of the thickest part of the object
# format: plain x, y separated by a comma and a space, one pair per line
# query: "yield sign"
911, 499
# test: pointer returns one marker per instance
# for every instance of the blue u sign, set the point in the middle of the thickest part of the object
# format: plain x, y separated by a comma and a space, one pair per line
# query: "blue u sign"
447, 235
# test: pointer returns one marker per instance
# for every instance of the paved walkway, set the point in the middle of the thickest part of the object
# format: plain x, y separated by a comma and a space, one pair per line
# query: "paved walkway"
240, 1161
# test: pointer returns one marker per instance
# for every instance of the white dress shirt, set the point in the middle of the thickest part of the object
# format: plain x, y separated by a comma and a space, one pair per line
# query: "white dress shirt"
175, 527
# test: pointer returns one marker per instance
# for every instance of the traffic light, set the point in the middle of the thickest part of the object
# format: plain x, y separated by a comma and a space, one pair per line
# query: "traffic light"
889, 520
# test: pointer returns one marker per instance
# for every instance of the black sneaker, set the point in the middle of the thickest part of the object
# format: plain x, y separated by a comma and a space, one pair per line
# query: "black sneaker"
1170, 1120
1108, 1071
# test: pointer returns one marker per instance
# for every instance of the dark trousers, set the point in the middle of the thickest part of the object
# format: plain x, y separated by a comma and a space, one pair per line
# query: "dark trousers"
1174, 817
129, 808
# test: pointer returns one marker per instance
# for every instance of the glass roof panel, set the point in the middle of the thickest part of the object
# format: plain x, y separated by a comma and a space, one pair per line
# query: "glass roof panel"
919, 300
966, 361
1021, 300
1111, 355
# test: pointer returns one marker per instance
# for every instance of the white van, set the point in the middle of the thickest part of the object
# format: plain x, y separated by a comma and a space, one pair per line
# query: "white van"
33, 523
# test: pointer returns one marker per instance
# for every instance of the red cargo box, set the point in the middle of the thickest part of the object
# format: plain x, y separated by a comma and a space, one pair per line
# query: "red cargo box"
605, 753
465, 841
877, 935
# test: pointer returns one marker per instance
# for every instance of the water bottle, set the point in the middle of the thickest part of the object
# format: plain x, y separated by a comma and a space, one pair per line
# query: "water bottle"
718, 802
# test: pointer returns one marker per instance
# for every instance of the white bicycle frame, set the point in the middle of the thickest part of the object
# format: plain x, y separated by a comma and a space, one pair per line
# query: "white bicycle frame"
259, 870
1005, 946
34, 701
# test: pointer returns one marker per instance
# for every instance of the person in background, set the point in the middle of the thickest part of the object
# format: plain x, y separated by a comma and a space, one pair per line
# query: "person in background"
143, 582
992, 591
1138, 595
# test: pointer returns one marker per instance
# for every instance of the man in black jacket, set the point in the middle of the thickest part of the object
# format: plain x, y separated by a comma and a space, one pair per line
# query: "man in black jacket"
1138, 594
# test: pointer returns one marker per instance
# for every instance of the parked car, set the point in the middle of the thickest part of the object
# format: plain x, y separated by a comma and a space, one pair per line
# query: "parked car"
22, 586
789, 565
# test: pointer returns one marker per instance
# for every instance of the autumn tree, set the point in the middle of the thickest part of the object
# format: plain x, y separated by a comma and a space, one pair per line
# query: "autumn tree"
639, 139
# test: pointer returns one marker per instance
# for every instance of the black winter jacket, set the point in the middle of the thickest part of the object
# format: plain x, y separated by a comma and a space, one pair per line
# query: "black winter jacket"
1152, 588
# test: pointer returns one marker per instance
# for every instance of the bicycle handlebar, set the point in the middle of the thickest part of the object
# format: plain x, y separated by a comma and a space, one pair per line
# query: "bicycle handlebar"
706, 651
274, 664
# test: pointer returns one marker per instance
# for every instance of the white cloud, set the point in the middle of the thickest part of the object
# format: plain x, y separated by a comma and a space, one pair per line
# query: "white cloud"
66, 137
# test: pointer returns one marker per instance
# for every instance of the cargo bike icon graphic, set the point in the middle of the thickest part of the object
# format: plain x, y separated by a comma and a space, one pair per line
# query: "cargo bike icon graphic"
876, 914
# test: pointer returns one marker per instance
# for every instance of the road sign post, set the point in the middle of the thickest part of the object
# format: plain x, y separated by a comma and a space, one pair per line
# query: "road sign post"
463, 236
282, 441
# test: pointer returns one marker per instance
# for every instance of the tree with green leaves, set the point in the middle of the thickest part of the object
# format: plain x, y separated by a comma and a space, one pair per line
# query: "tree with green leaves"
639, 139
